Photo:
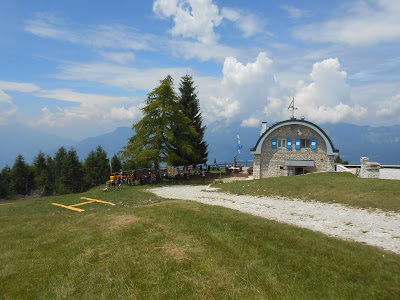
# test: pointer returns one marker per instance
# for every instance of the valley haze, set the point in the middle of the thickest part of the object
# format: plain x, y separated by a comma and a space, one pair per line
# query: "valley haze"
381, 144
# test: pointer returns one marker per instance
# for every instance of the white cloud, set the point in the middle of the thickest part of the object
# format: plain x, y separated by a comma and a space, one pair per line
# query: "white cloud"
190, 49
390, 108
125, 77
362, 23
243, 91
84, 99
92, 107
240, 74
18, 86
250, 122
119, 57
193, 18
223, 107
121, 113
100, 37
7, 108
249, 24
295, 12
47, 25
273, 107
324, 100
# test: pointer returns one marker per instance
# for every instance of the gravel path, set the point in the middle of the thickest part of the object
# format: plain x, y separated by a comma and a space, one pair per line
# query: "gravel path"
373, 227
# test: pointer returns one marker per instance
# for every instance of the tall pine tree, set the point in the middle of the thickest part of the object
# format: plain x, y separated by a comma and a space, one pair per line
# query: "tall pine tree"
191, 109
21, 177
42, 175
155, 137
96, 168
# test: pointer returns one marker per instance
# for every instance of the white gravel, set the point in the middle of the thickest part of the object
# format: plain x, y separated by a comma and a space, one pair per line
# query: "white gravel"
372, 227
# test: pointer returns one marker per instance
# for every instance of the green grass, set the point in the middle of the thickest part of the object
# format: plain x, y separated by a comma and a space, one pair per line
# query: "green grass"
146, 247
325, 187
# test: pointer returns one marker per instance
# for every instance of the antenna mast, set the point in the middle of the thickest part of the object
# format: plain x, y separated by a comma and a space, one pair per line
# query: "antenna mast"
293, 108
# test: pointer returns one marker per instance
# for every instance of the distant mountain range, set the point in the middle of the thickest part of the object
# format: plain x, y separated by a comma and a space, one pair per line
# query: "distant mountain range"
381, 144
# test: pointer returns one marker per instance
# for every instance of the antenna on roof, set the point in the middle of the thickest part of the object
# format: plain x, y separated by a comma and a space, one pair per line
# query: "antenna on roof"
293, 108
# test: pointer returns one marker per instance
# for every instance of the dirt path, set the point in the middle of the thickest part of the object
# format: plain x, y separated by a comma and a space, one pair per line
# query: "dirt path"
373, 227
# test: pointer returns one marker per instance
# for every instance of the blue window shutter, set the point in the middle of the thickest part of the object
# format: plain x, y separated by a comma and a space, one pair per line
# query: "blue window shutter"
289, 143
297, 143
313, 143
273, 143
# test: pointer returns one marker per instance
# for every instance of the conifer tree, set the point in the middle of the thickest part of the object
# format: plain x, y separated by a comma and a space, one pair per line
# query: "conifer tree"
42, 174
59, 171
191, 109
21, 177
96, 168
5, 180
116, 163
154, 137
73, 170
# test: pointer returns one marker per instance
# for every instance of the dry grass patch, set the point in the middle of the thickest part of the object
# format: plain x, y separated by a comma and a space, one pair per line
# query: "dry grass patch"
179, 254
124, 220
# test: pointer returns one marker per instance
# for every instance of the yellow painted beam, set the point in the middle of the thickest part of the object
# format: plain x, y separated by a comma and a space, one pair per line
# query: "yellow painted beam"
83, 203
69, 207
100, 201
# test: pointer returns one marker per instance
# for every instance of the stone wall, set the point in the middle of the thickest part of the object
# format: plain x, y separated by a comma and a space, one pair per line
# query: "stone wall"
271, 162
369, 169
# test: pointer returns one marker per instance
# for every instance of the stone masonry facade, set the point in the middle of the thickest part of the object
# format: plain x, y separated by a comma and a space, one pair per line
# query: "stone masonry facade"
271, 162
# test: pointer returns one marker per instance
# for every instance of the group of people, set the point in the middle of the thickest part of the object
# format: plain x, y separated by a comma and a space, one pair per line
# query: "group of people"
117, 180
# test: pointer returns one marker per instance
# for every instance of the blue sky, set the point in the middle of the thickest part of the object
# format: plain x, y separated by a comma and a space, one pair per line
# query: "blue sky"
83, 68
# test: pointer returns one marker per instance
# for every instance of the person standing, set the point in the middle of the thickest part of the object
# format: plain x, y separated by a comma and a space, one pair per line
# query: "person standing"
112, 181
203, 176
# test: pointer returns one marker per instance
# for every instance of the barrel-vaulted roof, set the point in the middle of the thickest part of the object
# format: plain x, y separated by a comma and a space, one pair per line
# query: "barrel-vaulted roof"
331, 150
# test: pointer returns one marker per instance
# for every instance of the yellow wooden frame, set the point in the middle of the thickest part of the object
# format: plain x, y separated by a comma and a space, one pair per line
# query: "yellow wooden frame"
73, 207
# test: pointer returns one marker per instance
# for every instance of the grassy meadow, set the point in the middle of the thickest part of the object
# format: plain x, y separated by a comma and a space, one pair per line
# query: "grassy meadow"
343, 188
146, 247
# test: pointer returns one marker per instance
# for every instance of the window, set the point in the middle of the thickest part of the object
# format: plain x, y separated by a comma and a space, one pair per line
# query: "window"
305, 143
281, 143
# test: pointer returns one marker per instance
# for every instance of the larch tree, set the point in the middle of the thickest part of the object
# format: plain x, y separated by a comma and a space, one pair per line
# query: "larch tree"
154, 138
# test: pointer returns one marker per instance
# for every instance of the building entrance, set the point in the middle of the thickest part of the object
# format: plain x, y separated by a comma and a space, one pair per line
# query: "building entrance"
298, 171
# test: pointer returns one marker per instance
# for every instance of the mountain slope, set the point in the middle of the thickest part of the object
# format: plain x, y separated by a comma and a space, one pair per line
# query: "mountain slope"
381, 144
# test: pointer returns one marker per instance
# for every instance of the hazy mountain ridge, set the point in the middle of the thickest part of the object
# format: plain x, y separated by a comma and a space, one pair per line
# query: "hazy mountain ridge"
381, 144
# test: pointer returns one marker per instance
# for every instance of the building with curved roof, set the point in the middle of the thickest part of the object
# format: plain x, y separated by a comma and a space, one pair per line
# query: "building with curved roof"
292, 147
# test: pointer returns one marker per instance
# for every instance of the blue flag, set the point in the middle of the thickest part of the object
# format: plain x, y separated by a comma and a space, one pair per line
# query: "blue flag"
239, 144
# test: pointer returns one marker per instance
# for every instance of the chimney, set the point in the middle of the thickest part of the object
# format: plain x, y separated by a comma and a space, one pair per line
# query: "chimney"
263, 128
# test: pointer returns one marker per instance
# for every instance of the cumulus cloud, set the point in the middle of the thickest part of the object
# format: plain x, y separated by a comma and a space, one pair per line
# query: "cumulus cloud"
223, 107
362, 23
324, 100
7, 108
241, 74
193, 18
250, 122
273, 107
197, 19
390, 108
122, 113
